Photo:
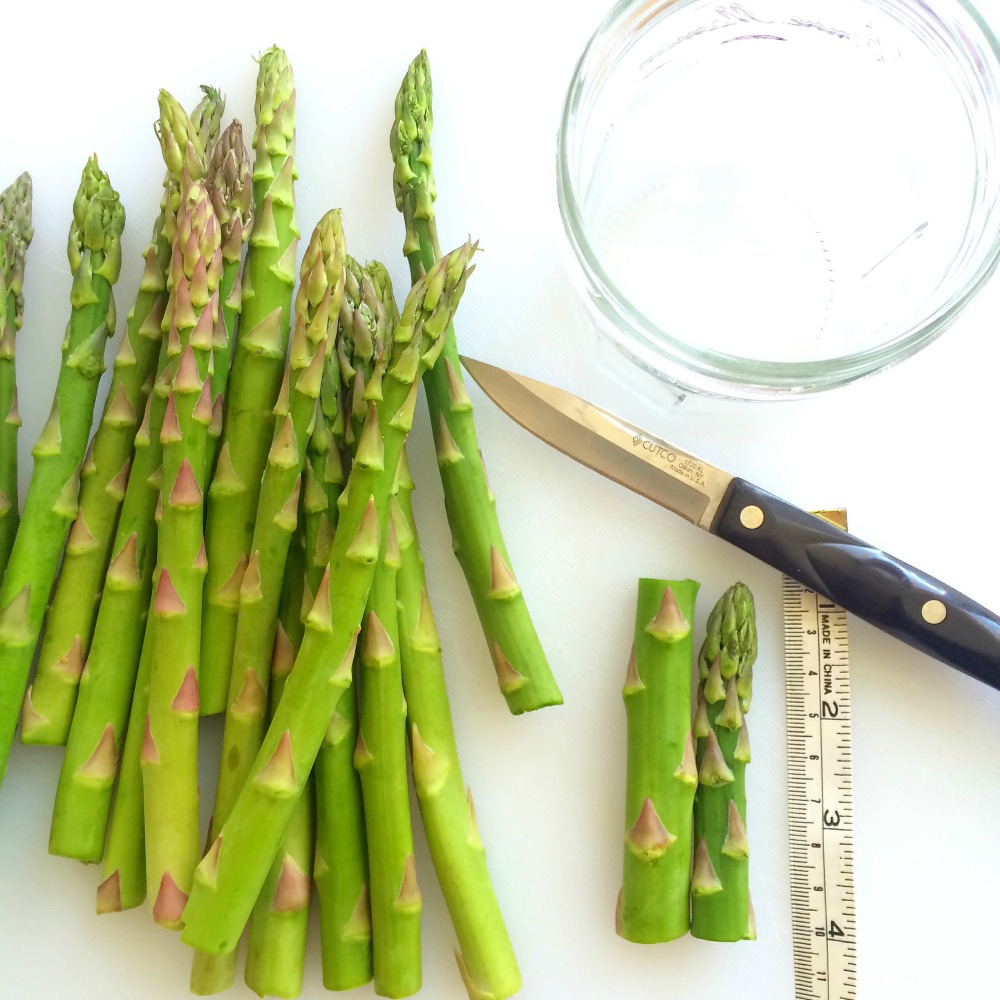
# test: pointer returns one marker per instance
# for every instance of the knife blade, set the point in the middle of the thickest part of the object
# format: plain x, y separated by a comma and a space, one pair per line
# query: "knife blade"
865, 580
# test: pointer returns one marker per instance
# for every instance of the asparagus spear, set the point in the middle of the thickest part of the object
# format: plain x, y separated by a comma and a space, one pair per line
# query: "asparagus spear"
661, 772
258, 367
341, 862
52, 697
380, 748
83, 796
380, 758
15, 235
231, 188
720, 891
278, 929
95, 259
316, 310
230, 876
484, 954
170, 747
522, 669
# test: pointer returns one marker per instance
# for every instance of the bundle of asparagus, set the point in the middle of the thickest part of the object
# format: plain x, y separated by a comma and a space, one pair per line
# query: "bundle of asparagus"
239, 536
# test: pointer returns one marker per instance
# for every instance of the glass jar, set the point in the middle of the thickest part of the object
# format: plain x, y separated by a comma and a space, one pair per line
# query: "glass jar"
772, 198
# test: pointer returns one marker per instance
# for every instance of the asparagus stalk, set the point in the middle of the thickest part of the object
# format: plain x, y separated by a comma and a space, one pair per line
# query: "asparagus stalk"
95, 260
341, 861
231, 875
720, 891
316, 310
51, 698
485, 955
123, 884
97, 732
380, 758
280, 923
380, 747
231, 188
258, 367
15, 235
522, 670
170, 747
661, 772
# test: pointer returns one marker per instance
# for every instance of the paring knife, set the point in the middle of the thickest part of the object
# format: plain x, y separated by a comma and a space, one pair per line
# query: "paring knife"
864, 580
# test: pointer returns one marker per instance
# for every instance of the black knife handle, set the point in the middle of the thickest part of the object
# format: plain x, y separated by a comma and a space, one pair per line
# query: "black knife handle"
862, 579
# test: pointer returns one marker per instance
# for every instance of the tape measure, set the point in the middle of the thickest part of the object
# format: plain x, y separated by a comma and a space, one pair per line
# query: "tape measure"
820, 812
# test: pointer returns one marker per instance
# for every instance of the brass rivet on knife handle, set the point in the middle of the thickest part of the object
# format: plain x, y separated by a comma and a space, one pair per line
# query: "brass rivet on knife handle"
820, 812
934, 612
751, 517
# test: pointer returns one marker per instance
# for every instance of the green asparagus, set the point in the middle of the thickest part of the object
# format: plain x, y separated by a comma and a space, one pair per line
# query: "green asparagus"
69, 624
15, 235
317, 307
229, 878
279, 927
258, 367
522, 670
231, 188
51, 504
661, 775
720, 892
341, 862
170, 747
484, 954
97, 732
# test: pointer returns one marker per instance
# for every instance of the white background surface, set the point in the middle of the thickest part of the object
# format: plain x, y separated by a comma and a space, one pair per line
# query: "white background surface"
912, 454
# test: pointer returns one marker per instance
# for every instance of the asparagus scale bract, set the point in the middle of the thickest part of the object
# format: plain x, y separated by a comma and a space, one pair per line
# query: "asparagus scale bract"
51, 503
522, 669
95, 744
229, 878
661, 774
258, 368
15, 235
69, 624
720, 889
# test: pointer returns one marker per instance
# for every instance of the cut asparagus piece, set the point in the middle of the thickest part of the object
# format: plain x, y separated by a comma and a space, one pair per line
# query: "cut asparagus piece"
258, 367
660, 775
15, 235
170, 748
51, 503
720, 886
76, 598
80, 815
230, 877
522, 669
484, 954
